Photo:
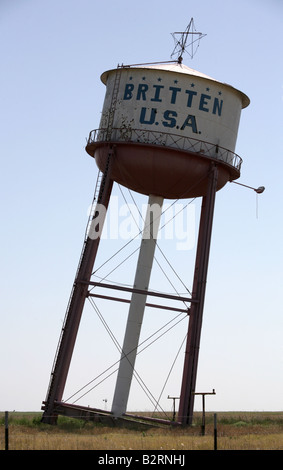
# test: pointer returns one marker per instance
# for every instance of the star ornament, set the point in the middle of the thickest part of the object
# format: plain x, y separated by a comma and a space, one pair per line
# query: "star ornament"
182, 43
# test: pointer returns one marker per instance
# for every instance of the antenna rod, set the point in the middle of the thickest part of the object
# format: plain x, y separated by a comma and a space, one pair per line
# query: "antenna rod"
181, 44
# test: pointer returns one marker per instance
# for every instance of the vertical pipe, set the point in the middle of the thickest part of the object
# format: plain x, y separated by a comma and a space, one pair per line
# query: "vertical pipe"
203, 414
174, 409
6, 430
215, 431
76, 304
186, 405
137, 306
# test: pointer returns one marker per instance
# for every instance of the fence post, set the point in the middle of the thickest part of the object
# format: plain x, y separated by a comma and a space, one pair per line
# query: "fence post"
215, 431
6, 431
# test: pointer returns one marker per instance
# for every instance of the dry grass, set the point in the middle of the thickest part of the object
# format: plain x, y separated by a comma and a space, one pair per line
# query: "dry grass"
235, 431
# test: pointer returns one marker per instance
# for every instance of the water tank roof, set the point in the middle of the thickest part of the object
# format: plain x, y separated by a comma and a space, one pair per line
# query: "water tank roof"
178, 68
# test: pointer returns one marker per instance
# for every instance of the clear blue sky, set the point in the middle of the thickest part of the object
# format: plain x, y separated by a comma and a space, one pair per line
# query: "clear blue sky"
52, 56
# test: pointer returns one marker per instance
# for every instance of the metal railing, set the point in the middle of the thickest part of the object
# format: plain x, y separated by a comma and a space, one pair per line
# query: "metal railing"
163, 139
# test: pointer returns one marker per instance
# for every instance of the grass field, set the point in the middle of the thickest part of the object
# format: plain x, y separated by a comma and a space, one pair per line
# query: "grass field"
235, 431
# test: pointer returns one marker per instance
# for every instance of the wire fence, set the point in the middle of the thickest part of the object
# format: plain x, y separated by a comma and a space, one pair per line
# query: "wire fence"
24, 433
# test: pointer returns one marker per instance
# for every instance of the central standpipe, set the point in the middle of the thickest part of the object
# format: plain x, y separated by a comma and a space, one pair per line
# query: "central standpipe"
137, 306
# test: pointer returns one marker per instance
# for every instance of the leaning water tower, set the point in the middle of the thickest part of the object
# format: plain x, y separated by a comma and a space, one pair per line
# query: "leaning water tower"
168, 132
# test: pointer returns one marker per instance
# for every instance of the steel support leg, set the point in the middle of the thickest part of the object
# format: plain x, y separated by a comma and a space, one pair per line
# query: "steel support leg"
76, 304
186, 405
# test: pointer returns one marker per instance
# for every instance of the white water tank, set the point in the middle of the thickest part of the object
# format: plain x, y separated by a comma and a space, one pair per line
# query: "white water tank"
168, 122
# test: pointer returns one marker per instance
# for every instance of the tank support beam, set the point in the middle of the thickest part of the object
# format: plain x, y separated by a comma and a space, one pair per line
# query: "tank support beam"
141, 291
137, 306
76, 304
187, 395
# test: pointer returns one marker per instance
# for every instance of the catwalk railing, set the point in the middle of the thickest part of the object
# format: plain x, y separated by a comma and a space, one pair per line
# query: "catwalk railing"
163, 139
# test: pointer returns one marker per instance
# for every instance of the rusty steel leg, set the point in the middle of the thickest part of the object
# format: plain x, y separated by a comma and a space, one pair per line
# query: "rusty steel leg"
76, 304
186, 405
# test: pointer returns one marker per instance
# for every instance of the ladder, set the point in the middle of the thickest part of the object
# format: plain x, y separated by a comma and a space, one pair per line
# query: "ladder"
99, 180
97, 186
98, 192
113, 103
94, 202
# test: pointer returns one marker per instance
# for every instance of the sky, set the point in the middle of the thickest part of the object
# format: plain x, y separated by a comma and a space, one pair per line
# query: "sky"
51, 95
